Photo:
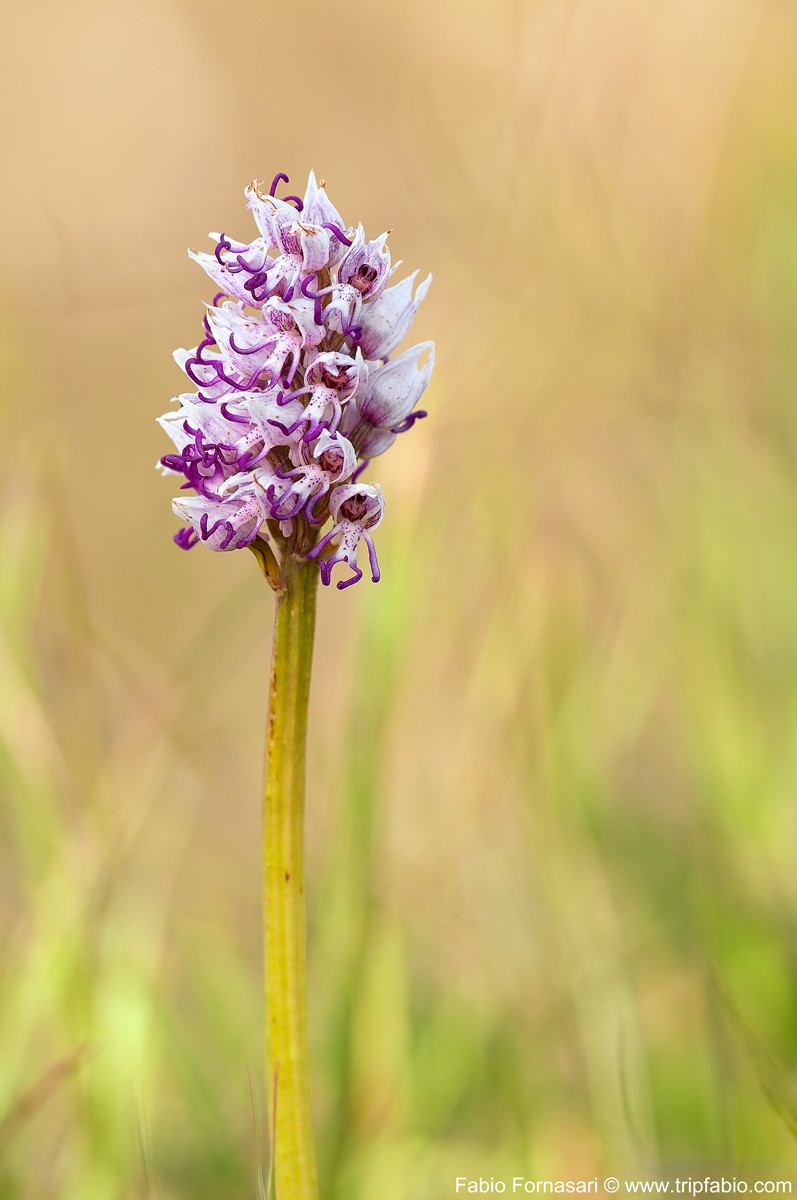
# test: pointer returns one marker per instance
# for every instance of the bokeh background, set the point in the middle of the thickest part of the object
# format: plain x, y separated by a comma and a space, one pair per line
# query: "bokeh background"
552, 824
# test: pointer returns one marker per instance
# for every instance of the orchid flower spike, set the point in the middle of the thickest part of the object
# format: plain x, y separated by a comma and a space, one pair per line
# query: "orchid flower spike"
291, 387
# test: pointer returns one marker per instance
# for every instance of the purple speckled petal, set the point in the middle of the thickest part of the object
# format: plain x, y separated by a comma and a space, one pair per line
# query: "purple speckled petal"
386, 321
395, 387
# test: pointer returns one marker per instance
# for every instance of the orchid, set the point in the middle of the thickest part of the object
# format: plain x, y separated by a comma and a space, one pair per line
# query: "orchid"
292, 390
296, 350
355, 511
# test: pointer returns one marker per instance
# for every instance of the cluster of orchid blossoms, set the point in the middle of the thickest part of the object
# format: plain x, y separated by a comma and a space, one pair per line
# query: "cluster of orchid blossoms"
295, 389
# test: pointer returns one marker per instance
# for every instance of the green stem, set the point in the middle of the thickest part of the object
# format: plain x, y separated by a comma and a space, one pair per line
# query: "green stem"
285, 950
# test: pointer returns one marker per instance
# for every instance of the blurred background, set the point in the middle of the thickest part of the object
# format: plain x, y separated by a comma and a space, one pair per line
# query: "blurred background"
551, 819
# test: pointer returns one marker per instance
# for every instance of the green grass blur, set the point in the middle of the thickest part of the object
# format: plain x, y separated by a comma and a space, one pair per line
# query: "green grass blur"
552, 821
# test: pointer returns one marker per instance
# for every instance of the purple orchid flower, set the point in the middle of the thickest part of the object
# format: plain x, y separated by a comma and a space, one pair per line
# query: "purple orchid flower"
319, 468
385, 407
356, 509
229, 523
294, 387
387, 321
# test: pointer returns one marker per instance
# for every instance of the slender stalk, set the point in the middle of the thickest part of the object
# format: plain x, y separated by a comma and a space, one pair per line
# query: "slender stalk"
285, 951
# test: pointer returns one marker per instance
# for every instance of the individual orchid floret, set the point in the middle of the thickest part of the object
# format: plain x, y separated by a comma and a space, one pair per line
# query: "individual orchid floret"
331, 460
229, 523
303, 248
238, 269
365, 266
247, 271
385, 407
215, 441
208, 446
204, 464
331, 379
251, 350
356, 509
219, 368
361, 276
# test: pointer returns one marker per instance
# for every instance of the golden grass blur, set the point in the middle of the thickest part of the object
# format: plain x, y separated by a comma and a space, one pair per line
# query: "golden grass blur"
551, 819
